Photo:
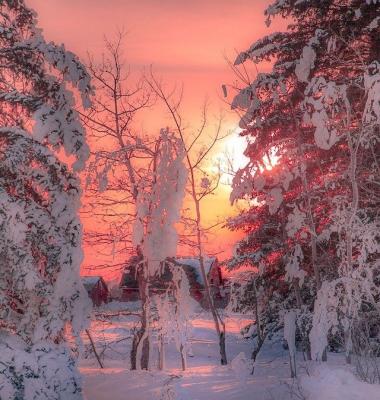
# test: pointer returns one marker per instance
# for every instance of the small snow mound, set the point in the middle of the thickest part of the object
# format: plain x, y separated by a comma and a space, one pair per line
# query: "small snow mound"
329, 383
171, 391
168, 393
241, 367
252, 330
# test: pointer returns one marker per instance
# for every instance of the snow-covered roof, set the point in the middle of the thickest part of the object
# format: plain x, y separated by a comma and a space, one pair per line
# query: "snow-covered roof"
128, 278
90, 281
195, 264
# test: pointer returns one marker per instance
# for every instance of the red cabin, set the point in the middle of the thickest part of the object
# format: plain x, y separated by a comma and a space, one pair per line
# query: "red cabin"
129, 283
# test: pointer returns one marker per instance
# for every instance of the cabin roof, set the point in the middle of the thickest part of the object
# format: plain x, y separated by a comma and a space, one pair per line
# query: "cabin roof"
90, 281
128, 278
195, 264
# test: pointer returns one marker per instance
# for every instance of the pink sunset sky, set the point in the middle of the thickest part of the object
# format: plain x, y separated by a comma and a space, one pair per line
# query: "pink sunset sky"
186, 42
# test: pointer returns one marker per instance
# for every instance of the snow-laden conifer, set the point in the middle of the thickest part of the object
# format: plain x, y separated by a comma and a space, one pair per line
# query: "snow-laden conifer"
40, 291
313, 219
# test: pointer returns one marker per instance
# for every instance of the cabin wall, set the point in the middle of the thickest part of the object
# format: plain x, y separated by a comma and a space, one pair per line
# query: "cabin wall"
99, 294
214, 277
129, 294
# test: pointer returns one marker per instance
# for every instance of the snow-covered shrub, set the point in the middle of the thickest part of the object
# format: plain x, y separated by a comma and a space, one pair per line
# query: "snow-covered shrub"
43, 371
304, 325
366, 346
241, 367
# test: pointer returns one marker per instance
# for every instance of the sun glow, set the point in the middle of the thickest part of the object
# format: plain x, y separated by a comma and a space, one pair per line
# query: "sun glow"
231, 156
234, 148
271, 159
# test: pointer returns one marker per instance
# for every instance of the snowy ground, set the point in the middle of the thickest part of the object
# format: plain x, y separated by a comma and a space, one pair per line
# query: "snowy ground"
205, 379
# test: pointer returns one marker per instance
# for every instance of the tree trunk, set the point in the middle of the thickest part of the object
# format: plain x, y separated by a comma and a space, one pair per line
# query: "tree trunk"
94, 348
161, 351
222, 346
348, 344
256, 351
349, 242
217, 320
259, 330
183, 357
309, 212
297, 292
308, 352
324, 355
293, 365
140, 344
304, 335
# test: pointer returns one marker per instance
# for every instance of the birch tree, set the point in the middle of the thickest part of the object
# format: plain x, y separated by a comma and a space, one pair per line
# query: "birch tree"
137, 176
121, 169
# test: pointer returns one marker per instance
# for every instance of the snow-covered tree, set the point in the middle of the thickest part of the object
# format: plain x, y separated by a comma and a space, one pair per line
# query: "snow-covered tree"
117, 178
355, 219
197, 148
248, 295
154, 234
137, 181
115, 167
40, 291
317, 111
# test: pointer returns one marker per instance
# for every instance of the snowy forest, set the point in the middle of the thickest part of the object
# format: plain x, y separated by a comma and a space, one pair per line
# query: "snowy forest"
153, 249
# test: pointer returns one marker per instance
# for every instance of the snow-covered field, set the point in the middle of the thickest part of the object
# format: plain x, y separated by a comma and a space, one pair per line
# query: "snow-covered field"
205, 379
